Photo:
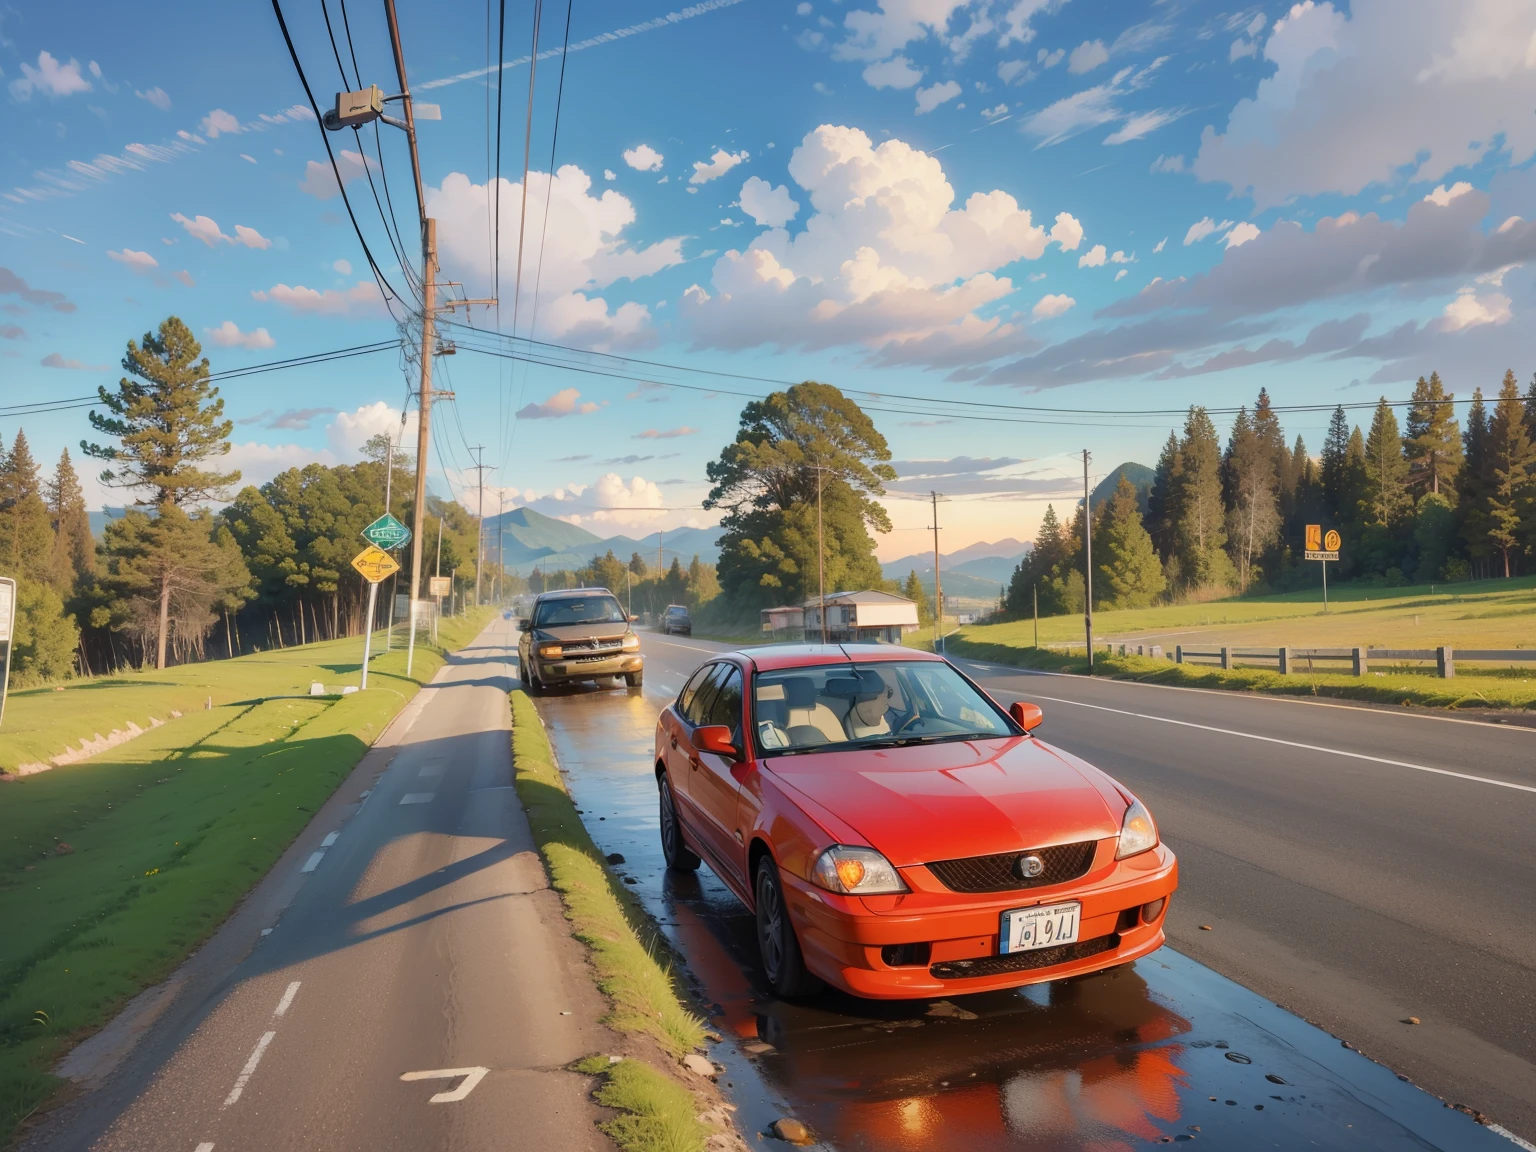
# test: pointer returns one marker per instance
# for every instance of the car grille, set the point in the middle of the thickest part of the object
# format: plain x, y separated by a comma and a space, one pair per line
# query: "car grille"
1023, 961
580, 648
1062, 862
598, 659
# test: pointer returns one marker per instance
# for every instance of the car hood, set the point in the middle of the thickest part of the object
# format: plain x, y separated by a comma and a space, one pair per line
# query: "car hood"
572, 632
966, 798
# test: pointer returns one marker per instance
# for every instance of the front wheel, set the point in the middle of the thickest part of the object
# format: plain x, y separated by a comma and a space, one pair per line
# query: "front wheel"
676, 853
531, 683
777, 944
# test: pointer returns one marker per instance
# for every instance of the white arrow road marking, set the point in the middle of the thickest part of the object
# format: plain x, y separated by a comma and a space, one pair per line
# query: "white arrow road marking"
472, 1076
288, 995
417, 797
205, 1146
313, 862
250, 1068
330, 838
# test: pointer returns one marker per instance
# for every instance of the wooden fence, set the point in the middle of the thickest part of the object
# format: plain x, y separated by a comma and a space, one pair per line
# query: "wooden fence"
1287, 661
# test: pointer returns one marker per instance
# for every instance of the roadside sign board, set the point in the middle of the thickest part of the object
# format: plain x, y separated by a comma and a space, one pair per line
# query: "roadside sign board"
375, 564
1331, 541
386, 532
1322, 545
439, 585
1319, 554
1314, 537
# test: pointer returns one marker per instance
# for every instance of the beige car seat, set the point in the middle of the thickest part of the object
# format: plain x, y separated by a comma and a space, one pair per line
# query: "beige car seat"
807, 711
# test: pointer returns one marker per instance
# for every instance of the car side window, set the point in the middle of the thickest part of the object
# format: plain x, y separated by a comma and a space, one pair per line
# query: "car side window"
690, 690
725, 708
703, 701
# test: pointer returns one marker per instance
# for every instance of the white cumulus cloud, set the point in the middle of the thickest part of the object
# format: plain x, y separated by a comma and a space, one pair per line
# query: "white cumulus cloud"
50, 77
897, 72
716, 166
138, 261
1241, 234
219, 122
228, 335
1469, 310
1093, 258
770, 207
930, 98
643, 158
320, 179
360, 300
1051, 306
1087, 56
566, 402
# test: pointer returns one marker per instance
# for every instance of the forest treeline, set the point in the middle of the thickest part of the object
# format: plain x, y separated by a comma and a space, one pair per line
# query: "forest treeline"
1435, 498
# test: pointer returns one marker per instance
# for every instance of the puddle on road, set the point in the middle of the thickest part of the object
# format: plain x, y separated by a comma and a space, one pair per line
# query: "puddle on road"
1164, 1051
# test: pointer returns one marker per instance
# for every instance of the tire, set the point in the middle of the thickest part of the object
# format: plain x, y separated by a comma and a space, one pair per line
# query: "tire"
777, 945
635, 679
531, 683
675, 850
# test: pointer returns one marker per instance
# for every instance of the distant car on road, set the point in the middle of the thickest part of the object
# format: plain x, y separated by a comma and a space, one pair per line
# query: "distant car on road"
676, 619
578, 634
897, 833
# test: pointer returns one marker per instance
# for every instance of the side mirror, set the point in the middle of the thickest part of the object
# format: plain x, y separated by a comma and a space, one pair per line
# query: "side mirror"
715, 738
633, 617
1026, 716
524, 624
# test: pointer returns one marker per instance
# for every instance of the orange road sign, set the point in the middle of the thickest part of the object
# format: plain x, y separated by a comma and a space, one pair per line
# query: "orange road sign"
1331, 541
375, 564
1314, 538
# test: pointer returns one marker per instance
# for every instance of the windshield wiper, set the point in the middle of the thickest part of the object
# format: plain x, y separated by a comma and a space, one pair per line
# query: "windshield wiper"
935, 738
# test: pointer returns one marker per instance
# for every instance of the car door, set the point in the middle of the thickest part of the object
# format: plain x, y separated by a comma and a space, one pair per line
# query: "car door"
713, 785
692, 706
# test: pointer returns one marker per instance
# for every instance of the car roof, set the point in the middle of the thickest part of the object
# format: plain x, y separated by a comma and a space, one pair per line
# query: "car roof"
680, 607
769, 657
567, 593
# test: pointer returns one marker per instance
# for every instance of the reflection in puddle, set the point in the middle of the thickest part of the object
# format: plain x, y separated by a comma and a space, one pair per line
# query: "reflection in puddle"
1162, 1051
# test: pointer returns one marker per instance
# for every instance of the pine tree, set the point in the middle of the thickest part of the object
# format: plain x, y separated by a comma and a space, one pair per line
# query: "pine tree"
1157, 498
74, 549
913, 591
1253, 518
1127, 572
1338, 504
1385, 498
1472, 485
1433, 446
167, 419
1266, 427
26, 536
1511, 497
1195, 507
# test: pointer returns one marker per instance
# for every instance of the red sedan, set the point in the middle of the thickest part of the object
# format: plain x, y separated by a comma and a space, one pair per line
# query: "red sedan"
897, 833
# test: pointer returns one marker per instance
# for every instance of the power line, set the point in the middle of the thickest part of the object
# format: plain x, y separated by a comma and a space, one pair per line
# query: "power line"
324, 139
501, 55
549, 187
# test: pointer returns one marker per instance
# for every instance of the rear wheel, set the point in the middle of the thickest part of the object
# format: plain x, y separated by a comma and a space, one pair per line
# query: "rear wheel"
677, 854
783, 962
635, 679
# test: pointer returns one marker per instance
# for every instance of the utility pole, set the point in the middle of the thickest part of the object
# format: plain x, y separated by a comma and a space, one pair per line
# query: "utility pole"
501, 559
1036, 591
1087, 562
821, 561
480, 526
389, 609
938, 584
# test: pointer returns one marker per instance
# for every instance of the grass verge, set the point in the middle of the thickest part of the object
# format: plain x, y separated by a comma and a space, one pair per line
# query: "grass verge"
1406, 686
656, 1113
114, 869
626, 949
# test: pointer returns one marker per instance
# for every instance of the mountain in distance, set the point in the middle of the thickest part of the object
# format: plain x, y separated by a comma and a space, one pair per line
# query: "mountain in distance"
532, 540
1139, 475
993, 562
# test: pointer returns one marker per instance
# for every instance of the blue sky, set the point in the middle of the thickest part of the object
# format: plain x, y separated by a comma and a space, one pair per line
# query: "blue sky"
1076, 206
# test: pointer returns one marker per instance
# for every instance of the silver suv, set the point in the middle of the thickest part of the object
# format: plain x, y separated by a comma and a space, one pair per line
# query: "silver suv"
578, 634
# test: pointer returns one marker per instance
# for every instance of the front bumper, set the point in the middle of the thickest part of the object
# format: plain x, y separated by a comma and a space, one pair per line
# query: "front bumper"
588, 667
843, 937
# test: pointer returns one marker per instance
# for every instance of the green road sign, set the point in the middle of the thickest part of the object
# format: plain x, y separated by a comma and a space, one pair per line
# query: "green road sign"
387, 532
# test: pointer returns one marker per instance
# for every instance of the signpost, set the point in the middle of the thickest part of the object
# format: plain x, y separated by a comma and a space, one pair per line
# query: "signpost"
374, 564
1323, 547
7, 634
439, 586
386, 532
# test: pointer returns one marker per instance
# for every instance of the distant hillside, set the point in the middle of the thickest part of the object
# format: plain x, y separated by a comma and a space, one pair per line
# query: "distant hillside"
532, 540
1139, 475
959, 586
989, 561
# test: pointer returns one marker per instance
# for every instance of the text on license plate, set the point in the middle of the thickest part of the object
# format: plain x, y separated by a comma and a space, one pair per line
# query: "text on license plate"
1045, 926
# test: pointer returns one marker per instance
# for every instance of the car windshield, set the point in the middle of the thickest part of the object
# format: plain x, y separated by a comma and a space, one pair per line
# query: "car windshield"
578, 610
879, 704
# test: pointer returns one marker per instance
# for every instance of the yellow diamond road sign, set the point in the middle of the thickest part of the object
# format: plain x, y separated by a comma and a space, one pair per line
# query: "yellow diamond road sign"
375, 564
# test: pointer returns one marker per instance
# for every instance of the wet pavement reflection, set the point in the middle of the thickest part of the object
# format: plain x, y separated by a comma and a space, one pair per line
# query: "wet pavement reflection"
1162, 1051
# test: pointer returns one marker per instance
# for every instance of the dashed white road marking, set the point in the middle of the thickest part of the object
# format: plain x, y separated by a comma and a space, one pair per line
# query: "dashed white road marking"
205, 1146
330, 838
1287, 743
250, 1068
313, 862
288, 995
435, 768
472, 1076
417, 797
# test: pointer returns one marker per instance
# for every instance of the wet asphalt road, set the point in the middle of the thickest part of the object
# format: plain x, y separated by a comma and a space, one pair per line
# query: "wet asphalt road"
1356, 892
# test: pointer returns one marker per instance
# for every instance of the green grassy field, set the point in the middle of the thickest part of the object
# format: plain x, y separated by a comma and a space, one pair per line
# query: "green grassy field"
165, 833
1486, 614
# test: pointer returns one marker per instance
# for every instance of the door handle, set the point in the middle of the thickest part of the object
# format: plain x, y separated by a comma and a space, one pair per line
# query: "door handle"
693, 762
674, 740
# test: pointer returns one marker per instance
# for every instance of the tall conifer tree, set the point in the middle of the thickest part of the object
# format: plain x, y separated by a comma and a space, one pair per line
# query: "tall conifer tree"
1385, 498
1195, 507
1510, 499
74, 549
1433, 444
1336, 501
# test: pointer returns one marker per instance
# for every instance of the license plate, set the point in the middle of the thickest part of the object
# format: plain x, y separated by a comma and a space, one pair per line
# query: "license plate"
1044, 926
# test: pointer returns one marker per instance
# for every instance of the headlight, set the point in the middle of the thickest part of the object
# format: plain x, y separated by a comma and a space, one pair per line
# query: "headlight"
550, 651
1137, 832
631, 643
856, 872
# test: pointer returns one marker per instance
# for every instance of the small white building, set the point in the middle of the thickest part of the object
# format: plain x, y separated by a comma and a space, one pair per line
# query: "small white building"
867, 617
